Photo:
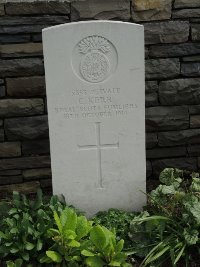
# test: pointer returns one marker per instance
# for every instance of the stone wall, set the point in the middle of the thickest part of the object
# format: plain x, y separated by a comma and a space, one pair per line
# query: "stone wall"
172, 34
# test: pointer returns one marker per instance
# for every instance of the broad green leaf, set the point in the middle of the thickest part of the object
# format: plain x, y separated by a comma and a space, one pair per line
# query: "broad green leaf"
29, 246
54, 256
14, 250
114, 263
2, 235
71, 221
195, 186
95, 261
39, 245
58, 221
69, 234
25, 256
98, 237
74, 244
38, 202
119, 246
83, 227
87, 253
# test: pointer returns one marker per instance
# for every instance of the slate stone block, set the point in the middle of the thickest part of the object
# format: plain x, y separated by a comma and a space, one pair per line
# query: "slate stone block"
21, 50
151, 86
35, 8
191, 59
190, 69
151, 140
104, 9
176, 138
25, 163
166, 32
169, 152
14, 38
174, 50
2, 91
10, 172
148, 168
23, 29
195, 32
37, 37
151, 100
36, 147
26, 128
20, 21
179, 92
1, 81
1, 135
186, 3
180, 163
164, 118
193, 150
10, 149
2, 11
151, 10
46, 183
193, 110
195, 121
186, 13
37, 174
6, 180
21, 107
23, 188
162, 68
26, 86
21, 67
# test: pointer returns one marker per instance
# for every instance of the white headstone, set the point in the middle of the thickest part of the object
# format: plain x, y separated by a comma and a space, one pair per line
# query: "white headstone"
96, 106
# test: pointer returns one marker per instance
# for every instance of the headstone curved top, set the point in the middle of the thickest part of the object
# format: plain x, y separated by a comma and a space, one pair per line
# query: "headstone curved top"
96, 106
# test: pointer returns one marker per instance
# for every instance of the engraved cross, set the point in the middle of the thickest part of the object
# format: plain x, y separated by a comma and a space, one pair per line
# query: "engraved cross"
99, 146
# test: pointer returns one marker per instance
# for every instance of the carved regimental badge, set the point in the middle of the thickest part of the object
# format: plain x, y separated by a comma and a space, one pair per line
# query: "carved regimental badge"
97, 59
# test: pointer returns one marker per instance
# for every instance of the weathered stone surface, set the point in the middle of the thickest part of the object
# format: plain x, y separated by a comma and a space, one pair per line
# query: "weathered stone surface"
2, 91
25, 163
151, 99
169, 152
191, 59
1, 135
24, 188
193, 150
166, 32
10, 149
151, 86
21, 67
175, 138
21, 50
195, 121
2, 11
21, 107
46, 183
186, 13
164, 118
32, 21
26, 128
1, 81
1, 122
5, 180
23, 29
151, 140
151, 10
37, 8
36, 147
174, 50
148, 168
26, 86
190, 69
37, 37
162, 68
195, 32
194, 109
179, 92
19, 38
186, 3
34, 174
180, 163
103, 9
10, 172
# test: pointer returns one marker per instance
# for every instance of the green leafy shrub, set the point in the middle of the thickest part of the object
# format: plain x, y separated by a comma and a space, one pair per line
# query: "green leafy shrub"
23, 230
117, 221
170, 229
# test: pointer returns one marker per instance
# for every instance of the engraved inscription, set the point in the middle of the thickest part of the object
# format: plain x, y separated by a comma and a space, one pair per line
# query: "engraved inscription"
94, 59
99, 146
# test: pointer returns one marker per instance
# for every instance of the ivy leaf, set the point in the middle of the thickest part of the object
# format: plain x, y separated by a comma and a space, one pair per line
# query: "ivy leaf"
191, 236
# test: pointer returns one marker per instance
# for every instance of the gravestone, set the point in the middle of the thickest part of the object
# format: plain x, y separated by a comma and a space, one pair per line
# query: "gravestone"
96, 107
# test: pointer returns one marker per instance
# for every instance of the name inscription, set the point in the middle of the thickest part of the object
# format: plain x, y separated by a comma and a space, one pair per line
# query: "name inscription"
95, 103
